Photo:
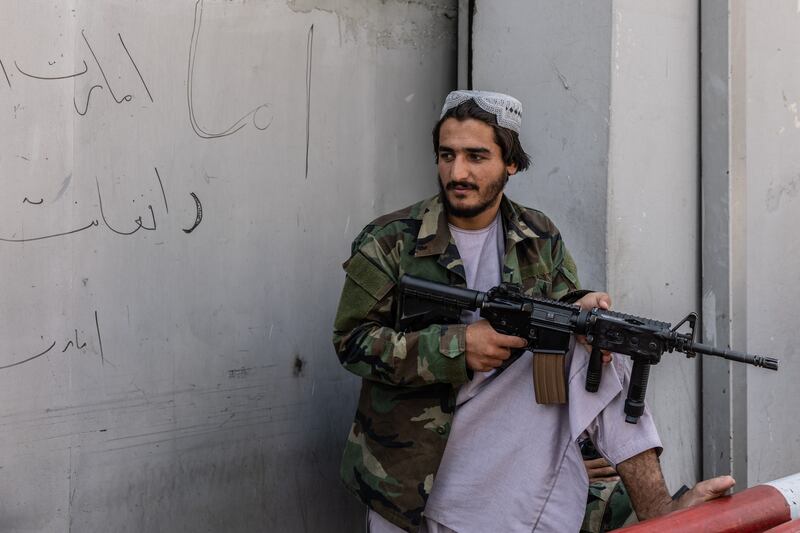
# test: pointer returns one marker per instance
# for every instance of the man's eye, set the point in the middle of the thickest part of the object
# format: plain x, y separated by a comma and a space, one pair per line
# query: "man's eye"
446, 156
475, 157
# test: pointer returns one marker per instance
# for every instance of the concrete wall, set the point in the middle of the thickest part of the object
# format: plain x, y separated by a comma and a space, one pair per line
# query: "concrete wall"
723, 184
191, 384
751, 259
610, 96
772, 206
653, 218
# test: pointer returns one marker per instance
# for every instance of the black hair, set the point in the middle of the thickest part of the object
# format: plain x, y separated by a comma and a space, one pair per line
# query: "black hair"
506, 139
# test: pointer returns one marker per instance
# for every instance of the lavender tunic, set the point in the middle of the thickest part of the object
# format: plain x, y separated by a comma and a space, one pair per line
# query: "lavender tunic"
513, 465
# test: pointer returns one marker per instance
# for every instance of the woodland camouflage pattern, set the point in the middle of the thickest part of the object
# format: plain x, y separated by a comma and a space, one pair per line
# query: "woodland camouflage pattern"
410, 379
608, 507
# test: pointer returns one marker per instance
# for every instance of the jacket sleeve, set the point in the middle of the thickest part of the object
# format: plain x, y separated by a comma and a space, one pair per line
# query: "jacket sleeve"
364, 338
565, 274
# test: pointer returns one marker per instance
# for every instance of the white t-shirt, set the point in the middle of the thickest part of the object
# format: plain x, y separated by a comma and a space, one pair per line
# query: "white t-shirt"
482, 252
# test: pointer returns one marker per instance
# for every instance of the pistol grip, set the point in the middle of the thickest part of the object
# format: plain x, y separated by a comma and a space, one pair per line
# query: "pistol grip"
594, 372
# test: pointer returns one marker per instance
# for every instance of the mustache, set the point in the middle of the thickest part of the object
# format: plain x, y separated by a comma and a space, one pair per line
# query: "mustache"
466, 184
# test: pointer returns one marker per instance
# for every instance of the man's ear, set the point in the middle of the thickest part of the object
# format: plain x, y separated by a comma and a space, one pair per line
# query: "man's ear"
511, 169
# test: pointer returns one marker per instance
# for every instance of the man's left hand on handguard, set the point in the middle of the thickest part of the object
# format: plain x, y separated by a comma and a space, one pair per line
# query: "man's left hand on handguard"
600, 300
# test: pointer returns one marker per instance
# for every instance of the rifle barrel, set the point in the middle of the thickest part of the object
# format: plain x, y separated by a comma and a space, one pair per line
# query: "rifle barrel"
756, 360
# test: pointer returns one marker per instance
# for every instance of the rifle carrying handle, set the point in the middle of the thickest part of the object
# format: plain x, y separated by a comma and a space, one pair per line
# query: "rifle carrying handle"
594, 372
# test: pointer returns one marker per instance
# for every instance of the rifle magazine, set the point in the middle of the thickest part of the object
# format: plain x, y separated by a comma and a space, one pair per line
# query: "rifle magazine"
549, 379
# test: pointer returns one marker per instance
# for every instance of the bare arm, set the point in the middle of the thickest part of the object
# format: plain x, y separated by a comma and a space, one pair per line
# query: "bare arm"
645, 483
648, 492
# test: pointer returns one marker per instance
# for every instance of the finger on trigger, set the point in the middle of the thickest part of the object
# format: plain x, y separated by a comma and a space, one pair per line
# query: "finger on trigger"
511, 341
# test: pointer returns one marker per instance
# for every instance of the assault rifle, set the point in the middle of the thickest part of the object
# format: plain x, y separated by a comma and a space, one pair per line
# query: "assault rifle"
547, 326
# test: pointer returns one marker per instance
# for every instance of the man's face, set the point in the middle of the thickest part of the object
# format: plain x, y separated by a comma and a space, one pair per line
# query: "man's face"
472, 173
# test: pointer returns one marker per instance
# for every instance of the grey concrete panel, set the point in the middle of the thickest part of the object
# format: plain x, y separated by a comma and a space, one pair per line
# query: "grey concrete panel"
554, 56
187, 381
653, 221
716, 241
738, 235
772, 214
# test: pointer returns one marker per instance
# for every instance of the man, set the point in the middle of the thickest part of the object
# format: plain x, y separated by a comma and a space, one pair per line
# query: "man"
441, 441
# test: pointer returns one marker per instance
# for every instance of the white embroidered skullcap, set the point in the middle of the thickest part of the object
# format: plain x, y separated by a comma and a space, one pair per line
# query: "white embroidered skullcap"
507, 109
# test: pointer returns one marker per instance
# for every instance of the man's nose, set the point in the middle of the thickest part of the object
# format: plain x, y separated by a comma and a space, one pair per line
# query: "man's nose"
460, 169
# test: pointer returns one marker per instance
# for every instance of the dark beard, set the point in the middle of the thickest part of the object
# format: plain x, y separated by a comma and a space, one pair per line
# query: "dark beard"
493, 190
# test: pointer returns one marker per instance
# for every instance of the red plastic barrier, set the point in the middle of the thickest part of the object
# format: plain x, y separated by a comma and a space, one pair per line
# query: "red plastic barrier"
750, 511
786, 527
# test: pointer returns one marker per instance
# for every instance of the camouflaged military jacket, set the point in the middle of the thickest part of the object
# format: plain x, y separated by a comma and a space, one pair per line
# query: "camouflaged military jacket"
608, 507
410, 379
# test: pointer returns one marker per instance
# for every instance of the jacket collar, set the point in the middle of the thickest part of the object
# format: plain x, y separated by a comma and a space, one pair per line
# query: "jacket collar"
434, 238
513, 221
434, 233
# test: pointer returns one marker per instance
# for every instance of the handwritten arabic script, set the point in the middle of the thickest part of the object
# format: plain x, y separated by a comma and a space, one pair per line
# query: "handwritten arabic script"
74, 342
139, 223
84, 108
